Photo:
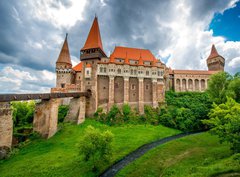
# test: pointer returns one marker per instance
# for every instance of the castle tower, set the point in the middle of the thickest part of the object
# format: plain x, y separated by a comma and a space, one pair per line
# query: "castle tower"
215, 62
91, 53
64, 66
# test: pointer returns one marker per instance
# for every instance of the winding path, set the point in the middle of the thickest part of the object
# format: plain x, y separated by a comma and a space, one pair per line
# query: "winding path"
111, 171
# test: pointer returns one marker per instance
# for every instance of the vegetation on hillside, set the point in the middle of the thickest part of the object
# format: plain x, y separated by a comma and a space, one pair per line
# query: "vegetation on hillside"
225, 122
59, 155
183, 111
195, 155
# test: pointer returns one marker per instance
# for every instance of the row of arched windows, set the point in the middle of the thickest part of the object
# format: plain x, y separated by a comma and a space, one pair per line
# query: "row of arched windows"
191, 85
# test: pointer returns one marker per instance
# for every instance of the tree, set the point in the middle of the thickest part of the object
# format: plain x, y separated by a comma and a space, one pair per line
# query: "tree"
96, 147
218, 86
234, 88
225, 122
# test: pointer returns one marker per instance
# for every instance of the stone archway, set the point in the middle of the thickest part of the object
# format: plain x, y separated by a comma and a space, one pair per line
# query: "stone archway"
203, 85
196, 82
178, 86
190, 84
118, 89
184, 85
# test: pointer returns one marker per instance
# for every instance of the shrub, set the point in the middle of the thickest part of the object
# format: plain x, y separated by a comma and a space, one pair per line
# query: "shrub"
225, 122
96, 147
23, 112
62, 112
150, 115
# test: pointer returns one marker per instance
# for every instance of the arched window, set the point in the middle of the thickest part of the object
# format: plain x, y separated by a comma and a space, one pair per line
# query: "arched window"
119, 71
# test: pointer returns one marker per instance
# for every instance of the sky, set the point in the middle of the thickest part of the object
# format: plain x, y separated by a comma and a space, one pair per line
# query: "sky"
178, 32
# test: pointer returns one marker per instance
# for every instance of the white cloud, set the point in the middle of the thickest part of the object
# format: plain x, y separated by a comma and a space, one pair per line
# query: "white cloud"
235, 62
24, 80
58, 13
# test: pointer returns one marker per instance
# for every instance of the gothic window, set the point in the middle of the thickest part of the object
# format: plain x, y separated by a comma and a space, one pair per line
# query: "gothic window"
87, 72
131, 71
135, 72
147, 87
133, 87
147, 73
104, 70
101, 69
119, 71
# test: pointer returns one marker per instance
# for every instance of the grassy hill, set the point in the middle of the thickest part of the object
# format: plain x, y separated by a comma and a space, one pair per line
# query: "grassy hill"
58, 156
198, 155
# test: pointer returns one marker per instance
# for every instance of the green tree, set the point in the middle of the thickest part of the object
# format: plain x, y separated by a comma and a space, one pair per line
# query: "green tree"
126, 110
234, 88
23, 112
62, 112
218, 86
225, 122
96, 147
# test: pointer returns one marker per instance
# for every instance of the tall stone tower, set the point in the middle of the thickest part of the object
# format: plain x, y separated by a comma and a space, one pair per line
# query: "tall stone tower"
91, 53
215, 62
64, 67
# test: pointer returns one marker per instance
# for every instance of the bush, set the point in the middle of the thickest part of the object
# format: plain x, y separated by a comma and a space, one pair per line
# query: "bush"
62, 112
23, 112
225, 122
96, 147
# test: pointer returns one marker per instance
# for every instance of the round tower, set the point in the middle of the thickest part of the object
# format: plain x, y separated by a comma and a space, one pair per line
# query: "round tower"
64, 67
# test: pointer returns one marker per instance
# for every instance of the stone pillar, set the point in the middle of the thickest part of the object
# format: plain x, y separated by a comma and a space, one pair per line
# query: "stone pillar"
126, 89
46, 117
111, 92
160, 92
141, 96
193, 82
206, 84
6, 129
77, 110
180, 85
186, 84
154, 93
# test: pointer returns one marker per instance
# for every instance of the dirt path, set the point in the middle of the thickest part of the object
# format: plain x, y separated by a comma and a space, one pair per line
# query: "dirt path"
111, 171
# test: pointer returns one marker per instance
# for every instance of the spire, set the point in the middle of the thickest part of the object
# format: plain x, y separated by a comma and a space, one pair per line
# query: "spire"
64, 56
94, 37
213, 53
126, 60
140, 61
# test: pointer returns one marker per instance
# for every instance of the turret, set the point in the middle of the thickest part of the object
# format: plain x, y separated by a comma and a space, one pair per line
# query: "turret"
215, 62
64, 66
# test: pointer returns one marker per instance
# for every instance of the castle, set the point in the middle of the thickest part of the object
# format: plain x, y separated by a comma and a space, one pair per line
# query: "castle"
129, 75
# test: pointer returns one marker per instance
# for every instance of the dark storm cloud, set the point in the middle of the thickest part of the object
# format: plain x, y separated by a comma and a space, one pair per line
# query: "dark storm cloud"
18, 33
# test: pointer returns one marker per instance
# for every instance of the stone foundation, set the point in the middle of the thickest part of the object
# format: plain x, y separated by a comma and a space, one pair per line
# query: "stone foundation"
6, 129
46, 117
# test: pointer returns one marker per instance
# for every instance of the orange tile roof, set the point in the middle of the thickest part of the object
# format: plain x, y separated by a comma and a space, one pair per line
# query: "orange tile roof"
94, 37
111, 59
194, 72
140, 63
88, 65
213, 53
126, 61
78, 67
133, 53
64, 56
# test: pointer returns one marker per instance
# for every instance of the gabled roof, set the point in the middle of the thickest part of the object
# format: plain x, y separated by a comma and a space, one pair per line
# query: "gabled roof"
64, 56
78, 67
94, 37
213, 53
133, 53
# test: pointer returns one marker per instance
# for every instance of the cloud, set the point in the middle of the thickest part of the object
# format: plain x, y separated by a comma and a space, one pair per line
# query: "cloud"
15, 80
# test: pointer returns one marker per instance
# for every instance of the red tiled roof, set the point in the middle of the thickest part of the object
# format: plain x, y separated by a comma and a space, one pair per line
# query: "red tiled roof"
64, 56
133, 53
193, 72
78, 67
94, 37
213, 53
88, 65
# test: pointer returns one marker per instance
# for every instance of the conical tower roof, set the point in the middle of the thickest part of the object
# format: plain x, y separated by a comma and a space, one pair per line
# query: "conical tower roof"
64, 56
94, 37
213, 53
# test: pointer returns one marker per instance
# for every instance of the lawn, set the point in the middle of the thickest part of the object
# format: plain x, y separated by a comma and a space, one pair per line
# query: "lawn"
58, 156
198, 155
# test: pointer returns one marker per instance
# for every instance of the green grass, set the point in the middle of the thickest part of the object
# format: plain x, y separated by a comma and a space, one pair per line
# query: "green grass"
198, 155
58, 156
